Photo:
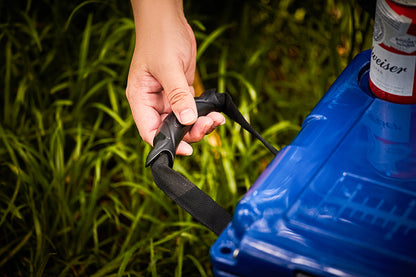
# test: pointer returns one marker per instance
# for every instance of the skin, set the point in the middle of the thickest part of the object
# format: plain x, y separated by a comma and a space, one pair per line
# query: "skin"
162, 71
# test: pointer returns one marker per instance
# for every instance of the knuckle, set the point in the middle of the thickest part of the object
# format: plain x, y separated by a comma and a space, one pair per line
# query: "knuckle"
199, 136
177, 95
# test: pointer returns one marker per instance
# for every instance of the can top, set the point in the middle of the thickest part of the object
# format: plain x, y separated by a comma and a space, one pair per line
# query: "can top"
406, 2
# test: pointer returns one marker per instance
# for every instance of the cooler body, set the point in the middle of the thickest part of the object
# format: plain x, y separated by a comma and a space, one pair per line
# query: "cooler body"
340, 200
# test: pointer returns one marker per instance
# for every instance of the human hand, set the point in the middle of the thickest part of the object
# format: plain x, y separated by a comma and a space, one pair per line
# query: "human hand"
162, 72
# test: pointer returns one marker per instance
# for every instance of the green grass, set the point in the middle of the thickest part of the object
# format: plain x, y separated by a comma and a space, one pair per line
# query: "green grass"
75, 197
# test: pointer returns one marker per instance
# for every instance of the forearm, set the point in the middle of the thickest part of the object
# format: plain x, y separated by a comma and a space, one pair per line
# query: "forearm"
146, 11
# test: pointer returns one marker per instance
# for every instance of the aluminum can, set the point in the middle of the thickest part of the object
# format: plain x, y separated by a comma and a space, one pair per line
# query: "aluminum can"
393, 57
392, 139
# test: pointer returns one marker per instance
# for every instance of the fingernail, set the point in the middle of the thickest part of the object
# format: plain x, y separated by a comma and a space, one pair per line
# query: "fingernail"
188, 151
187, 116
185, 149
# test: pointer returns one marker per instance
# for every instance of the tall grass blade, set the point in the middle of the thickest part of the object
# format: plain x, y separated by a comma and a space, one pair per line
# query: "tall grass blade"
198, 265
111, 113
84, 47
153, 260
10, 204
7, 80
16, 249
76, 9
210, 39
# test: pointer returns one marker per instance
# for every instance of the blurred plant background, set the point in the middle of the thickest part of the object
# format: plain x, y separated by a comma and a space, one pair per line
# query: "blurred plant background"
75, 197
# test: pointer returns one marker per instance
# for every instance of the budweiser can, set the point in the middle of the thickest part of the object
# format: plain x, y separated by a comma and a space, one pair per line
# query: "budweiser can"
393, 57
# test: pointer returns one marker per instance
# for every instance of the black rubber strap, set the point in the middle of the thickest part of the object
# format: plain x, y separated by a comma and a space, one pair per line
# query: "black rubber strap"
231, 110
193, 200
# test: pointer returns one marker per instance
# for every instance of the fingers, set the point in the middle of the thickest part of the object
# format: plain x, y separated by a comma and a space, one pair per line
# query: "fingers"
145, 103
179, 93
146, 118
184, 149
149, 107
203, 126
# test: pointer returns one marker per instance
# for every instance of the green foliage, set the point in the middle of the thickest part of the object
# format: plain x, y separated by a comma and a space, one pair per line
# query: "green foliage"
75, 198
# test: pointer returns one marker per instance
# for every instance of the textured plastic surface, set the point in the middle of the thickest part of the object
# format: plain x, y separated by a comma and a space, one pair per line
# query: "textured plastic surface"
340, 200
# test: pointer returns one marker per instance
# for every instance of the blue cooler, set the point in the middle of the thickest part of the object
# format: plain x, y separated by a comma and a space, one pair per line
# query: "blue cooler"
340, 200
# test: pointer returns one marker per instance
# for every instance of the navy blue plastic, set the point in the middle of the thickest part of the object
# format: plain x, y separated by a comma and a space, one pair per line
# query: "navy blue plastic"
340, 200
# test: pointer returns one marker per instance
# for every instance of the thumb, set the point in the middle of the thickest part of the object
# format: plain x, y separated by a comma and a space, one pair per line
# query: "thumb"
180, 96
183, 105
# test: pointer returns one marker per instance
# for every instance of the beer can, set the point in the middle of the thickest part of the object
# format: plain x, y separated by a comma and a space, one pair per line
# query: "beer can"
392, 139
393, 56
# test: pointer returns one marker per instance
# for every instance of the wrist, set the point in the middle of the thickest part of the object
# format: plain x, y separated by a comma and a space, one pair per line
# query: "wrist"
155, 9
